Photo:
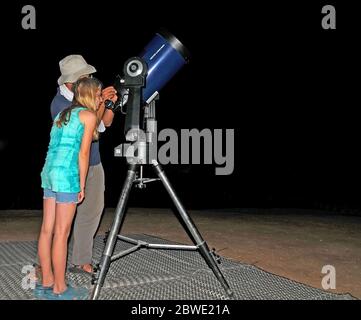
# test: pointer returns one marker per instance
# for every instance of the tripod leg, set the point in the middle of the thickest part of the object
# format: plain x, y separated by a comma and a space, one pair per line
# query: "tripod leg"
193, 231
113, 233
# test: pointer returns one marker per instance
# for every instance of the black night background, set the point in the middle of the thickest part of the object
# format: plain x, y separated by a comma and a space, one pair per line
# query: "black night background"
289, 89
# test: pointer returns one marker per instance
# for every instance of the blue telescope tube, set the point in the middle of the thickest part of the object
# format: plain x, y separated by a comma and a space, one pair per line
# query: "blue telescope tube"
165, 55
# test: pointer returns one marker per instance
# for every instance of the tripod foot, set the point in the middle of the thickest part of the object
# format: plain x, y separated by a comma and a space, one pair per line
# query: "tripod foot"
99, 281
230, 293
211, 261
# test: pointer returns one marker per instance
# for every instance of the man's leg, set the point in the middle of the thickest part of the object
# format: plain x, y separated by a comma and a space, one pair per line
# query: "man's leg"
88, 216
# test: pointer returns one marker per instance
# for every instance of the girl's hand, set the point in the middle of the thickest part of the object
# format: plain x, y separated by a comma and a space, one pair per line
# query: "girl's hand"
81, 196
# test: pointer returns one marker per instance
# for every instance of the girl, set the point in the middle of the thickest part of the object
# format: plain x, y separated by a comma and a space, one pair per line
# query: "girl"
63, 180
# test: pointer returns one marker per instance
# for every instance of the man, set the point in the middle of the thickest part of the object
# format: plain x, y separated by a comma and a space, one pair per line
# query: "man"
74, 67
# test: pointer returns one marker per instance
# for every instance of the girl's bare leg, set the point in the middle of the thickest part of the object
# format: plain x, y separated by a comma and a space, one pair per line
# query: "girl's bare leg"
45, 240
63, 219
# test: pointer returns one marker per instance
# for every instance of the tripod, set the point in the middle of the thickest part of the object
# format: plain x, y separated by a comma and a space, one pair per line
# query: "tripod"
200, 244
142, 151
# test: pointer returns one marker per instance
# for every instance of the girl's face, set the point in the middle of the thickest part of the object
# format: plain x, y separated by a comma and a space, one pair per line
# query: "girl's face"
98, 98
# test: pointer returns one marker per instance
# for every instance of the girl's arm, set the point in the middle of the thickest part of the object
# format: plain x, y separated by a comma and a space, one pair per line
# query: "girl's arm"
89, 119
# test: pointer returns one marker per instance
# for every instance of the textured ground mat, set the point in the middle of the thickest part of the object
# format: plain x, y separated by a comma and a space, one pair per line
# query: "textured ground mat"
158, 275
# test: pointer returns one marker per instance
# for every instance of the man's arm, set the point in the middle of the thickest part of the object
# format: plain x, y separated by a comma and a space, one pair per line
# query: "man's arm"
101, 111
107, 115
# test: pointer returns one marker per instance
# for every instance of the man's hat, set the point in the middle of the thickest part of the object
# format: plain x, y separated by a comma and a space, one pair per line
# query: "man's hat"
72, 68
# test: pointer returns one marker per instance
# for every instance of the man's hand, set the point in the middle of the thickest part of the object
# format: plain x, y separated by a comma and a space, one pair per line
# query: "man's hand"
109, 93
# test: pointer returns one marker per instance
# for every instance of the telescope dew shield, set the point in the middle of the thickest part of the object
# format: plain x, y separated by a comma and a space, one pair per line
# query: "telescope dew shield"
165, 55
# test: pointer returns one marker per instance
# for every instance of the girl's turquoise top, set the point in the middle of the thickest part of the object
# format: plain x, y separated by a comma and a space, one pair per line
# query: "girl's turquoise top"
61, 170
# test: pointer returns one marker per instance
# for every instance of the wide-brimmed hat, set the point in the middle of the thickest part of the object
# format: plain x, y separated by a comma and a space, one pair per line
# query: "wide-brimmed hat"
72, 68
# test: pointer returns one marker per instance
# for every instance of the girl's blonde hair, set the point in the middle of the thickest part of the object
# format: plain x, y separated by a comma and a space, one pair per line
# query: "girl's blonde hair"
85, 91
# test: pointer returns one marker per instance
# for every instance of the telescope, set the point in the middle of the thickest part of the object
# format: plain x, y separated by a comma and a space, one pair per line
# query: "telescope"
163, 57
143, 78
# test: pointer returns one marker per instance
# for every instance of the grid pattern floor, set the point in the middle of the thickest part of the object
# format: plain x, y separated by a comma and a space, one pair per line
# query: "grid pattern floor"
149, 274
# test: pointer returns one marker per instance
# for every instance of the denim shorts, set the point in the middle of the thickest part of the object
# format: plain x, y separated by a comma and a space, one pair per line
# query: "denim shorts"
61, 197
